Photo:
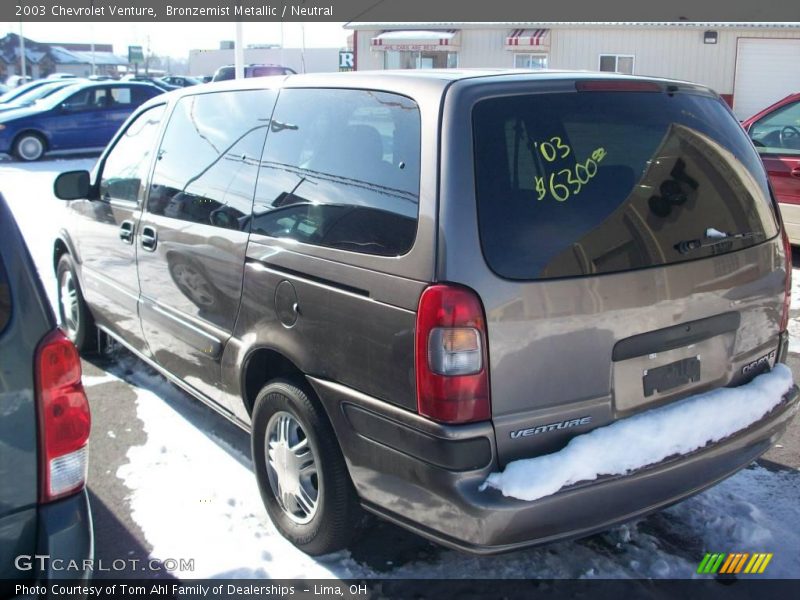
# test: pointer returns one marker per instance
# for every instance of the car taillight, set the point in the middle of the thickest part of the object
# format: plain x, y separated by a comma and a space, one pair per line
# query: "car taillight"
64, 418
451, 357
787, 299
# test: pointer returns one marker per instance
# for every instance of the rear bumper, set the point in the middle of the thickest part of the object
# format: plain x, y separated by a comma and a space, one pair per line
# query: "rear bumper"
426, 476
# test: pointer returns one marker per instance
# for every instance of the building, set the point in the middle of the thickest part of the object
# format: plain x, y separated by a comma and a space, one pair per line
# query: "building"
310, 60
42, 59
750, 64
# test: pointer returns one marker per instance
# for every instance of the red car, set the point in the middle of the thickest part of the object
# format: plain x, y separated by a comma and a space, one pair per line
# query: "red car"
775, 131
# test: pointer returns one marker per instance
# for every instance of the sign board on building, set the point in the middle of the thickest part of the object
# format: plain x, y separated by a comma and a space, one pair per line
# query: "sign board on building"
135, 55
346, 60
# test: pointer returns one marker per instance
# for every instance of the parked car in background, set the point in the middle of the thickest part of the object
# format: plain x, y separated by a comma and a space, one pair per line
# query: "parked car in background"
403, 282
156, 81
37, 93
17, 80
15, 92
62, 76
77, 118
44, 429
775, 131
181, 80
229, 72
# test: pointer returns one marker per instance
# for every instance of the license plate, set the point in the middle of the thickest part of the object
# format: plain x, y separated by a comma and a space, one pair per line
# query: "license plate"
662, 379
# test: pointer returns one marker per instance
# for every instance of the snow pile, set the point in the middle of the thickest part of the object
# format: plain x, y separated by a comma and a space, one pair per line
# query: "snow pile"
646, 438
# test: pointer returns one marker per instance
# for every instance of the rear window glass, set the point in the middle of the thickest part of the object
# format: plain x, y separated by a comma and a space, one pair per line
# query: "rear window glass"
584, 183
5, 298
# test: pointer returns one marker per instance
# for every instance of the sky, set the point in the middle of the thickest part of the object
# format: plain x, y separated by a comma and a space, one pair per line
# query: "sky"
176, 39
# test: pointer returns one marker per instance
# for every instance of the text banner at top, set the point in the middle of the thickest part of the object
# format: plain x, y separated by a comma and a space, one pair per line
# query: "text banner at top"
401, 11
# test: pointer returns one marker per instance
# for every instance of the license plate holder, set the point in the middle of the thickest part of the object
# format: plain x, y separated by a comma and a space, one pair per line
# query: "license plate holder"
667, 377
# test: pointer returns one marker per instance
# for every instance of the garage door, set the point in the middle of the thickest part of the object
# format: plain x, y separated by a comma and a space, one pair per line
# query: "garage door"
766, 71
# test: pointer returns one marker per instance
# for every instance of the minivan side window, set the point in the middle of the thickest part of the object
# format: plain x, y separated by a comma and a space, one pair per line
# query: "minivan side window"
208, 160
127, 164
341, 170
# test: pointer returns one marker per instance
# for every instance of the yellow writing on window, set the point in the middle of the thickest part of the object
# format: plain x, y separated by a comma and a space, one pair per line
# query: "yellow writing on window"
552, 149
564, 183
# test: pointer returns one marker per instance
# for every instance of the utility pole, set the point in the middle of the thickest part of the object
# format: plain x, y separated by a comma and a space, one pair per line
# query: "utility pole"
238, 52
22, 53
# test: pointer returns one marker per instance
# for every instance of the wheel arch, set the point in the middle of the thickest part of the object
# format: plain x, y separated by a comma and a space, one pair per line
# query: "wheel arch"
263, 364
61, 246
35, 130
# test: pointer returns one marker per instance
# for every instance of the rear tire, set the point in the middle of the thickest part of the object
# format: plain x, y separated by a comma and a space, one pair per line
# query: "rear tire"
76, 319
301, 473
29, 146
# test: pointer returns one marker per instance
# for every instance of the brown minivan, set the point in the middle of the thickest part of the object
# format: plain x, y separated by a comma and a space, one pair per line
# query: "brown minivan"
404, 282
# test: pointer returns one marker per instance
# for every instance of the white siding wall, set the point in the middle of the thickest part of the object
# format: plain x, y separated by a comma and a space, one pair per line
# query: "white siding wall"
366, 58
663, 52
673, 53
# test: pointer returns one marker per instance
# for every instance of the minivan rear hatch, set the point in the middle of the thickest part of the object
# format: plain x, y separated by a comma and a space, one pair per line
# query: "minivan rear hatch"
631, 253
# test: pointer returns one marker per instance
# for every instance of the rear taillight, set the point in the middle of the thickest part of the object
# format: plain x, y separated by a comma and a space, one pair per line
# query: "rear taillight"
64, 419
787, 299
451, 356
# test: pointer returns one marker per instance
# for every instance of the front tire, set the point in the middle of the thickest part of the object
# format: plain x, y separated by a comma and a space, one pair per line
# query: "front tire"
29, 146
301, 473
76, 319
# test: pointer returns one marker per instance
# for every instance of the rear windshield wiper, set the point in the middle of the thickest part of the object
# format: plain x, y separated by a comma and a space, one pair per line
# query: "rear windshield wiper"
714, 237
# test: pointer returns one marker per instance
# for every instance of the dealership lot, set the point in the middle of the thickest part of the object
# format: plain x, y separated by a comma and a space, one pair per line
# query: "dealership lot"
170, 479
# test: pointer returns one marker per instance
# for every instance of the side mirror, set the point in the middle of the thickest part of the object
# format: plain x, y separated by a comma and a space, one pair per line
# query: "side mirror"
72, 185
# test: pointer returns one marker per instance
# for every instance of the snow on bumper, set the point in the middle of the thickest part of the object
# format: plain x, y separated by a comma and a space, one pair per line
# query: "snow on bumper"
646, 438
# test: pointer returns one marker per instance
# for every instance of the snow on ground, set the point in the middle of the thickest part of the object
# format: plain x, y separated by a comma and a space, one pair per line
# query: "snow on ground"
193, 495
701, 419
28, 189
193, 499
794, 313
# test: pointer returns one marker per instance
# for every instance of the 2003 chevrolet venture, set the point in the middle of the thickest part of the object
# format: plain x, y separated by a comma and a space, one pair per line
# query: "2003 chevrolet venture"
401, 282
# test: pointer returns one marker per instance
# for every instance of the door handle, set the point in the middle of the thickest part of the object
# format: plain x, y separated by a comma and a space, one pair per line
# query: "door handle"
149, 238
126, 232
796, 172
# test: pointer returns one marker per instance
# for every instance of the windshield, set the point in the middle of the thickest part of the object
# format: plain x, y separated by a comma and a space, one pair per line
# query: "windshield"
582, 183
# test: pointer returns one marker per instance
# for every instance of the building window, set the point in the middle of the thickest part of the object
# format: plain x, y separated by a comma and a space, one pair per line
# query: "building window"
530, 61
414, 59
617, 63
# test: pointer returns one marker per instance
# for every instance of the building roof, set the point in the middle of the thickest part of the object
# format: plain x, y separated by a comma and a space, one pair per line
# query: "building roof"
35, 52
71, 57
84, 47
